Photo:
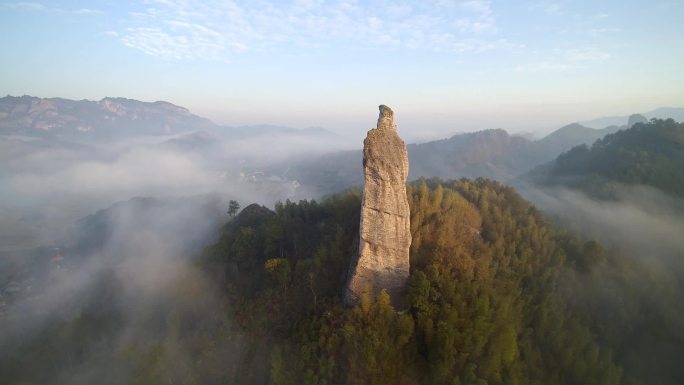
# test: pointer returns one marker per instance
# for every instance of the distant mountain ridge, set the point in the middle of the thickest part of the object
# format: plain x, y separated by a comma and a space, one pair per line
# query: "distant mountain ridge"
649, 154
278, 150
493, 154
85, 119
676, 113
570, 136
118, 118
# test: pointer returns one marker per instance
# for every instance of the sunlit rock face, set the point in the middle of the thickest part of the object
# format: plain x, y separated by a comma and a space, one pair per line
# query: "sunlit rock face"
385, 230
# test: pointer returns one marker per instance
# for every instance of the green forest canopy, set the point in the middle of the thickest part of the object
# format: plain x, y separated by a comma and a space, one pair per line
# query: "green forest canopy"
496, 295
647, 153
492, 297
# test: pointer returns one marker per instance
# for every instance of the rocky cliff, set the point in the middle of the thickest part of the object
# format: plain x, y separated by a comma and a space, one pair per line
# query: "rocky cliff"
385, 231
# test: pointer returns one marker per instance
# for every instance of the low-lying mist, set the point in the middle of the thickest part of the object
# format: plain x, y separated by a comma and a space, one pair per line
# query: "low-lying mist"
46, 184
97, 253
98, 246
642, 221
633, 293
120, 296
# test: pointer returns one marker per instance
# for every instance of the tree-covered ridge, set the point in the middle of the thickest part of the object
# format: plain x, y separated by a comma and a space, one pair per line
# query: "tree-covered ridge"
647, 153
483, 303
496, 296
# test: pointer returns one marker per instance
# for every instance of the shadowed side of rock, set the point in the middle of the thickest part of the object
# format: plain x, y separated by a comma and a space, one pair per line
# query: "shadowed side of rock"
385, 230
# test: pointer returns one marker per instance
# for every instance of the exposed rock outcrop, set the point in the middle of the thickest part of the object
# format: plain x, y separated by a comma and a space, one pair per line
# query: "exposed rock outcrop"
385, 230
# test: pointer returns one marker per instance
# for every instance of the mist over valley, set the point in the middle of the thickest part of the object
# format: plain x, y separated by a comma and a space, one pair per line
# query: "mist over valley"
100, 224
334, 192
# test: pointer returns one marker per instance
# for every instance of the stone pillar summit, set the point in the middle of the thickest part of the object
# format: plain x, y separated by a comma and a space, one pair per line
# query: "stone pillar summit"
385, 229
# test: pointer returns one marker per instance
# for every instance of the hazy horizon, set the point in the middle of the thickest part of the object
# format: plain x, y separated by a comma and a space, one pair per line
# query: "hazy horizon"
444, 66
416, 132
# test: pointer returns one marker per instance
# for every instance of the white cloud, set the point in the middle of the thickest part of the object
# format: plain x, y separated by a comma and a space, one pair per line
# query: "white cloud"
480, 6
449, 43
481, 22
596, 32
475, 26
548, 7
87, 12
26, 6
567, 59
185, 29
545, 66
586, 54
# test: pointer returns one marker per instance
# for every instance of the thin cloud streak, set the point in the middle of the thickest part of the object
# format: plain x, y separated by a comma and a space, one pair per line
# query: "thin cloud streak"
26, 6
189, 29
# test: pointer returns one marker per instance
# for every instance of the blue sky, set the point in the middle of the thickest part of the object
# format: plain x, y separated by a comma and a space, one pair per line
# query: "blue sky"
444, 66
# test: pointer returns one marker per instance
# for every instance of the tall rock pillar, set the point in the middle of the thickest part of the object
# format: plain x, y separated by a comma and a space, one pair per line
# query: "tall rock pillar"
385, 229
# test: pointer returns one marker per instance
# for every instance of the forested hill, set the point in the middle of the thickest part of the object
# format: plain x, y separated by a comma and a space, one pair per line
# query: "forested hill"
649, 153
492, 297
496, 295
492, 154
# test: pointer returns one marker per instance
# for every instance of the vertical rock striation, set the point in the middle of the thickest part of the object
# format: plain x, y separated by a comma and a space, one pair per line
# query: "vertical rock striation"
385, 230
